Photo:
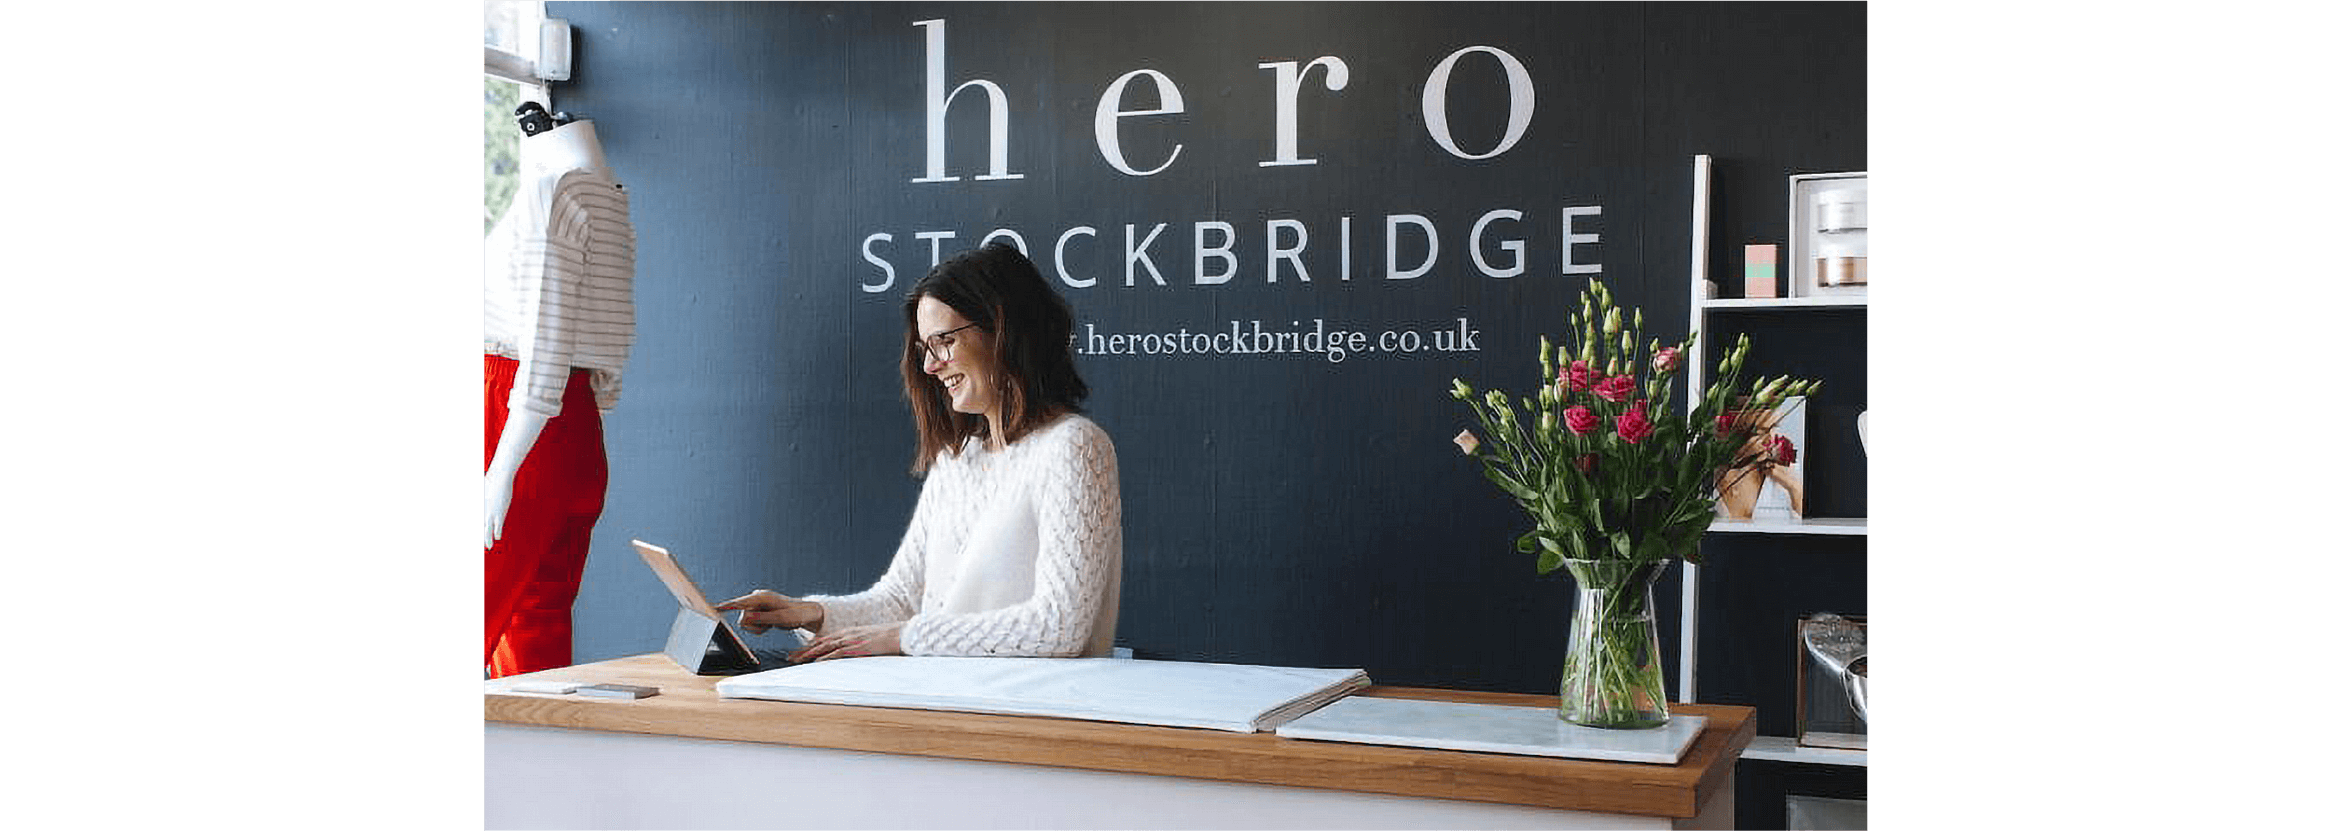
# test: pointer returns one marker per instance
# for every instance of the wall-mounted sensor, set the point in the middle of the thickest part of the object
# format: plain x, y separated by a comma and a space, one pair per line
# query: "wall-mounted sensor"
554, 50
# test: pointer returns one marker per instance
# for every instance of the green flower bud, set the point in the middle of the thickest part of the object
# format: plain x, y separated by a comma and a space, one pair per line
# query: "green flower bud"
1461, 390
1614, 323
1498, 401
1637, 322
1550, 421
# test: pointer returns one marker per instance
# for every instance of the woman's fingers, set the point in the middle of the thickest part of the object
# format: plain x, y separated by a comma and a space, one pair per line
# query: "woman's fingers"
859, 642
818, 650
760, 599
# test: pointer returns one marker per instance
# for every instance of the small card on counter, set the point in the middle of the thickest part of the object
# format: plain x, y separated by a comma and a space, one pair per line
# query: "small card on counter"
617, 691
546, 687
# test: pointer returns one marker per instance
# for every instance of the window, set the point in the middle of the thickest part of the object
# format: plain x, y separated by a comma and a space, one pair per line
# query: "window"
510, 44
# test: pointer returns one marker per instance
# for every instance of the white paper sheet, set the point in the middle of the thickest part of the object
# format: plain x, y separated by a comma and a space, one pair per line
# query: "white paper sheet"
1235, 697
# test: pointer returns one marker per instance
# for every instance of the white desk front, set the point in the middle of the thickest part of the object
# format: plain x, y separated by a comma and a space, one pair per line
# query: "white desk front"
689, 759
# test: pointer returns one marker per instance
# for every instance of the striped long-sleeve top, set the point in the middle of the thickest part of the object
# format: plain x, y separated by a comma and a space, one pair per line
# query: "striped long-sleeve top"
556, 287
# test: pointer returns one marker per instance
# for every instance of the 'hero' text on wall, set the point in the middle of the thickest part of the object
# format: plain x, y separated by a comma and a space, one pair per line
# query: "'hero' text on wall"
1131, 254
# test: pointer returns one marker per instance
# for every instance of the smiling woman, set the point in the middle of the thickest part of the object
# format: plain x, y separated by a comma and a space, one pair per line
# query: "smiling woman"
1015, 545
1013, 370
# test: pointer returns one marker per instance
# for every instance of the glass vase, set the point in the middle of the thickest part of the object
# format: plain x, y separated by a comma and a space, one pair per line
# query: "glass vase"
1614, 676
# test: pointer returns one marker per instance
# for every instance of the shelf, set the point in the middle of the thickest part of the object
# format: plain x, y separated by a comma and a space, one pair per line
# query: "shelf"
1844, 526
1809, 302
1784, 749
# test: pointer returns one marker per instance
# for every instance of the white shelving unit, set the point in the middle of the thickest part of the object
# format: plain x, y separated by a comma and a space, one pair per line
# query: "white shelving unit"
1776, 748
1840, 526
1712, 303
1784, 749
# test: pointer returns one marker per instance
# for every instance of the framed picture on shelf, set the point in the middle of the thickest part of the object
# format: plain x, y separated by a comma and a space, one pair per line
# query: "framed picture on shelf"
1828, 235
1772, 489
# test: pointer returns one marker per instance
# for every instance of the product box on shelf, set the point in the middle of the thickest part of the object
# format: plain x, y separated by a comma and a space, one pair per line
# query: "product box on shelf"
1832, 702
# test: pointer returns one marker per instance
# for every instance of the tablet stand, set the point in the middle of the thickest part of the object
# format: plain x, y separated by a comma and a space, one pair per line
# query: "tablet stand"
704, 647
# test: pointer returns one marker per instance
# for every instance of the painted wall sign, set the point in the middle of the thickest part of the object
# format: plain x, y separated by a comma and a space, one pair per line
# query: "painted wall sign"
1293, 243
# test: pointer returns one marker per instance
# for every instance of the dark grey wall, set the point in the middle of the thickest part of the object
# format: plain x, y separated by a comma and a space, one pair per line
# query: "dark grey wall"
1280, 509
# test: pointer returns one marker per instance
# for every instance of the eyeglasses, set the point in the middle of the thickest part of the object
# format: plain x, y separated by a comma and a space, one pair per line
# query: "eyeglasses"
940, 347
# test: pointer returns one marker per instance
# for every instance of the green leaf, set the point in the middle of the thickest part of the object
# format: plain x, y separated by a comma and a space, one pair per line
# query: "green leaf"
1513, 488
1548, 562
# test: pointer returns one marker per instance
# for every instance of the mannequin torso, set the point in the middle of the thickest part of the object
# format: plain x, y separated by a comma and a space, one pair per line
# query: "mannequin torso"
547, 157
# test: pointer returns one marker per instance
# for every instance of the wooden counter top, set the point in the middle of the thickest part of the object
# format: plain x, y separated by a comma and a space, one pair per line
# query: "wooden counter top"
689, 706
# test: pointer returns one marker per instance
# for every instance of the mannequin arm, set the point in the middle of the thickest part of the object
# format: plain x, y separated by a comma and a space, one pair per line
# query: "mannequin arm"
514, 442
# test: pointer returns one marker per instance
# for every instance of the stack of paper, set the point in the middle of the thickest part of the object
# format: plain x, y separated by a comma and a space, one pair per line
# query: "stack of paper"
1235, 697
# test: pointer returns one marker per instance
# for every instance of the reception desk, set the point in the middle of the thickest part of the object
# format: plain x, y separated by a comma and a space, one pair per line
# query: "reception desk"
689, 759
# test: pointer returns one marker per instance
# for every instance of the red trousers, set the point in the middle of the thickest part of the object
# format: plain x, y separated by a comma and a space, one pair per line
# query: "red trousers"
533, 571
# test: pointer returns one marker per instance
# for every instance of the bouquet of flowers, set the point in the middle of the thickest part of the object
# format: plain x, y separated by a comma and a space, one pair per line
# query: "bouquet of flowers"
1598, 457
1618, 485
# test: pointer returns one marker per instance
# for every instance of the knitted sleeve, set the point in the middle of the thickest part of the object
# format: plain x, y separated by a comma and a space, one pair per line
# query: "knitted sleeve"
1075, 493
898, 595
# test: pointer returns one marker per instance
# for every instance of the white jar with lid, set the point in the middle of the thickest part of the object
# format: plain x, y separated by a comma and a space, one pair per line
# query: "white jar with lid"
1842, 210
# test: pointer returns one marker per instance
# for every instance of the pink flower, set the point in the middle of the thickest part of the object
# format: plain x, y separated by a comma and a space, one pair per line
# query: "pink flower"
1783, 451
1634, 425
1723, 424
1581, 420
1614, 387
1578, 376
1667, 360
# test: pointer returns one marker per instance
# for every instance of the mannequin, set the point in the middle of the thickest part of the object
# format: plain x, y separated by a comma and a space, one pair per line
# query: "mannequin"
547, 152
558, 323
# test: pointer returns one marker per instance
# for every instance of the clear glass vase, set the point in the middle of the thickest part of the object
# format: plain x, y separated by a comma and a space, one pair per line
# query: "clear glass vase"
1614, 676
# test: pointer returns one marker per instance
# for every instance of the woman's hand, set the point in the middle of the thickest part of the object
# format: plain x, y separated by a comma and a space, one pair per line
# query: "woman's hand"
854, 642
764, 609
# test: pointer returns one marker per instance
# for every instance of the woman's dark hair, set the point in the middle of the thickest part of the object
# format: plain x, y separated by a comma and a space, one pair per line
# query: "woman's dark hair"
1029, 328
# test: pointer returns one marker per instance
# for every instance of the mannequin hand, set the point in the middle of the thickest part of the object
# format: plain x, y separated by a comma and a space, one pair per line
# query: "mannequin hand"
854, 642
497, 495
514, 442
763, 610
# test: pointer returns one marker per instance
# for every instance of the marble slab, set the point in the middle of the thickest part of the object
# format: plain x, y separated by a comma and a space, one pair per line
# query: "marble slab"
1490, 728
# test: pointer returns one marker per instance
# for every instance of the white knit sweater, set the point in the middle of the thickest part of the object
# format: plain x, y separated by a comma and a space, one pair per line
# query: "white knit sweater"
1011, 552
